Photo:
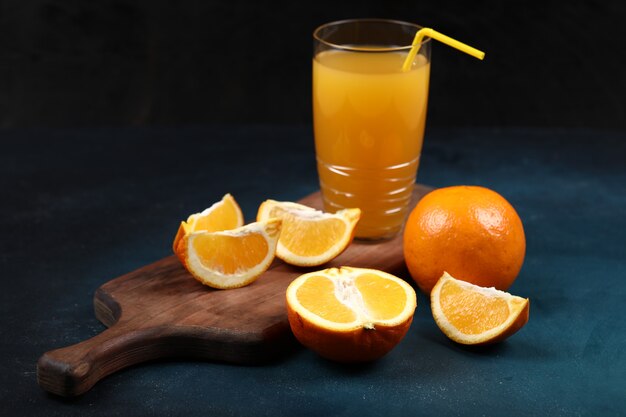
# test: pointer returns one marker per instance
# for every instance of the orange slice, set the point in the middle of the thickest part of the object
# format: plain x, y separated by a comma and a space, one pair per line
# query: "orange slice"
474, 315
310, 237
350, 314
223, 215
230, 258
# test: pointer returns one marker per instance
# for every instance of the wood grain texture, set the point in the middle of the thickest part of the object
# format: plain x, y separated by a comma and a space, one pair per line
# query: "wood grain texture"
160, 311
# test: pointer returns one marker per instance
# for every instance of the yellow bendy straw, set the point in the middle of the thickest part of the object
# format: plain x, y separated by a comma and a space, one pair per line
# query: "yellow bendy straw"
431, 33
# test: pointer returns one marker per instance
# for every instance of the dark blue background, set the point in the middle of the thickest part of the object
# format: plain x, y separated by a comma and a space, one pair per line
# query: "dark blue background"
120, 62
87, 205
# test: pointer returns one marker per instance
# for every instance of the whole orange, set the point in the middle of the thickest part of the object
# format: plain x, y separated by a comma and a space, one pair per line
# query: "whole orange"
471, 232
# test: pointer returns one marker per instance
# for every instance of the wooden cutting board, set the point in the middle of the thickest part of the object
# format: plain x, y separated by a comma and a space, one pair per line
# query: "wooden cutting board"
160, 311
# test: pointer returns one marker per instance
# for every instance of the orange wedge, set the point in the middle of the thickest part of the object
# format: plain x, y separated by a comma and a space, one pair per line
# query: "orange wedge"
474, 315
350, 314
310, 237
223, 215
230, 258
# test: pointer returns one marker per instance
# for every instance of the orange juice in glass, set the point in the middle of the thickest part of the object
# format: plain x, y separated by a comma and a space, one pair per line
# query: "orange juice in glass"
369, 118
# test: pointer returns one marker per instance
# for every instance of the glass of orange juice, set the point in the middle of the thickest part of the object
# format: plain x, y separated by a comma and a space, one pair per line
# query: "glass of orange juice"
369, 117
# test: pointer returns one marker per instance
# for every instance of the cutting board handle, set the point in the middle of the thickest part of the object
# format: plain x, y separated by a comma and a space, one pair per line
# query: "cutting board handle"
72, 370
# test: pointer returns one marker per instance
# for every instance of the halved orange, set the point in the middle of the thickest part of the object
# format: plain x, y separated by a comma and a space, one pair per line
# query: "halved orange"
474, 315
350, 314
310, 237
230, 258
223, 215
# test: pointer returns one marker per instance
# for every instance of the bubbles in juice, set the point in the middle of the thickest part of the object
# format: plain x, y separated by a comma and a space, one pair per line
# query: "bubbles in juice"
369, 119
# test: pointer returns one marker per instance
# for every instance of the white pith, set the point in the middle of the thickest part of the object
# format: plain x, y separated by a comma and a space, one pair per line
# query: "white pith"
513, 303
347, 293
265, 228
308, 213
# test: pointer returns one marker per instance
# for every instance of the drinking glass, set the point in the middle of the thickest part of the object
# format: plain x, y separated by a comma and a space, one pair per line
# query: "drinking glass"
369, 117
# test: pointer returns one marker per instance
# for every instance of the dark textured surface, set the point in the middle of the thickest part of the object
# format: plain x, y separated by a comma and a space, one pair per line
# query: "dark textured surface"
155, 62
80, 207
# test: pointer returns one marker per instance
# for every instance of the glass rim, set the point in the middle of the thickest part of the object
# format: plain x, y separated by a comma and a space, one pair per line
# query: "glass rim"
353, 48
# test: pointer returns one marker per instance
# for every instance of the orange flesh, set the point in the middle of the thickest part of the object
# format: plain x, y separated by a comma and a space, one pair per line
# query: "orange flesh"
228, 254
320, 235
317, 294
222, 218
383, 298
471, 312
